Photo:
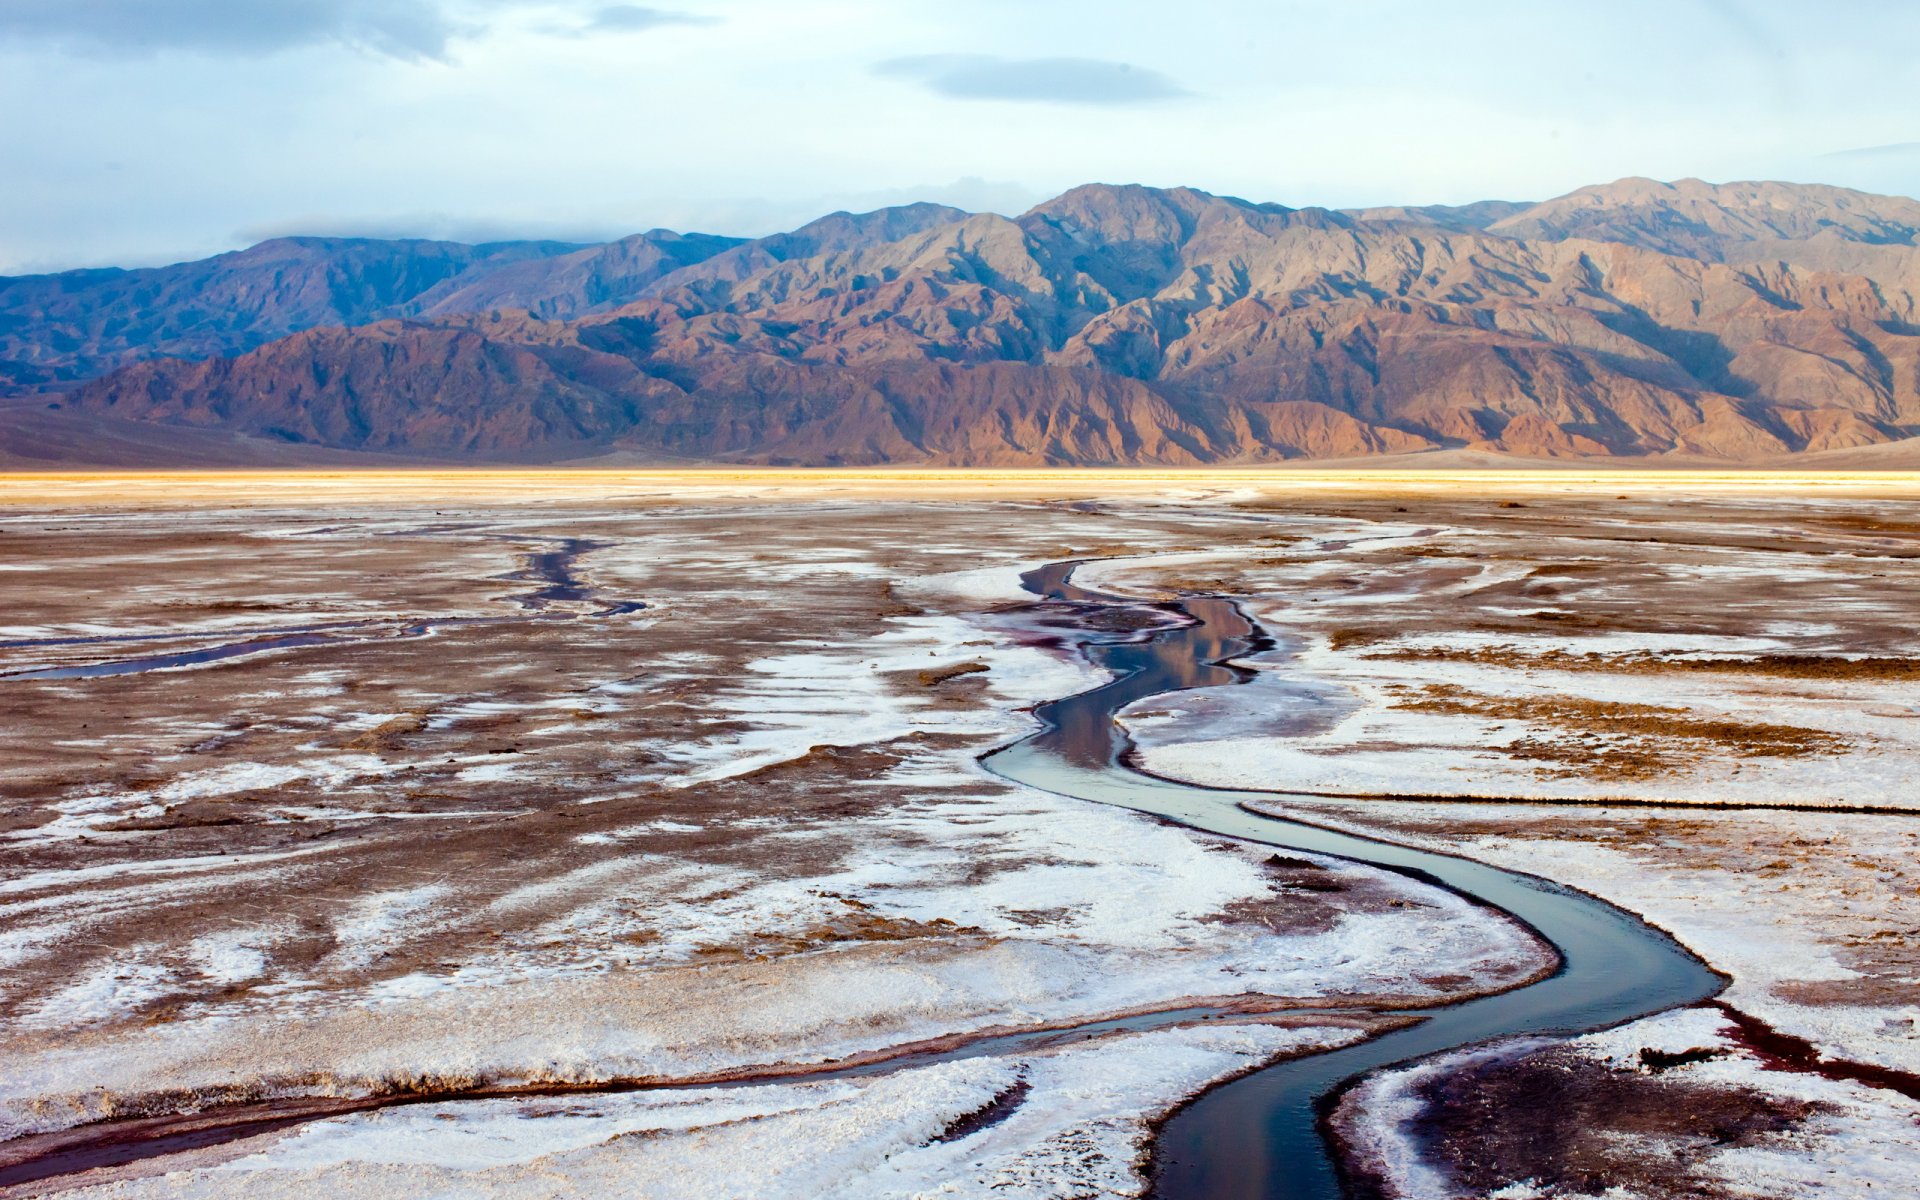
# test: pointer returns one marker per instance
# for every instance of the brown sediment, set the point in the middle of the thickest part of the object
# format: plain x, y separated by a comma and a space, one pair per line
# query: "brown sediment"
1564, 1123
1885, 966
1861, 522
1606, 739
1466, 798
1219, 584
891, 605
1557, 1120
939, 675
74, 1152
1816, 667
1295, 903
993, 1112
858, 924
1347, 637
1786, 1052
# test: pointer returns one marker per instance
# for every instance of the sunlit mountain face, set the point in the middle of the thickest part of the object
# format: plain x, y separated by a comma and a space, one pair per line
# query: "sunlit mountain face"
1112, 325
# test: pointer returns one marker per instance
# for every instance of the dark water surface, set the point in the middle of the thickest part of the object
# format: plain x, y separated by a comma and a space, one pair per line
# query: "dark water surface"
554, 569
1260, 1136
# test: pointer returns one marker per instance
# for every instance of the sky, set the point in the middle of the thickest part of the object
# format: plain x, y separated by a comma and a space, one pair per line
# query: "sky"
149, 131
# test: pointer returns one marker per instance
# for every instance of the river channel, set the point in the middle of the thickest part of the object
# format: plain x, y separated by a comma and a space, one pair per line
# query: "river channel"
1261, 1137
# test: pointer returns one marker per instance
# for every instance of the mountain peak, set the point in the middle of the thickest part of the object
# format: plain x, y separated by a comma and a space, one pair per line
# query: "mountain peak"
1114, 323
843, 230
1132, 212
1698, 219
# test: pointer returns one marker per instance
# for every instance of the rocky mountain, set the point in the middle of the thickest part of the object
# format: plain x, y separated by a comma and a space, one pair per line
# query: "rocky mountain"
76, 325
1110, 325
80, 324
1703, 220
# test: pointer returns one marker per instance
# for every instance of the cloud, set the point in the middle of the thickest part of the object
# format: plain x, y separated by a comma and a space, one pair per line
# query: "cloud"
404, 29
435, 226
1891, 150
632, 18
1047, 80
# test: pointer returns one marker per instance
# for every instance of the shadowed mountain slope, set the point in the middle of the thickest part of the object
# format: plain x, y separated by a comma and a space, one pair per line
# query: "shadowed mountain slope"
82, 323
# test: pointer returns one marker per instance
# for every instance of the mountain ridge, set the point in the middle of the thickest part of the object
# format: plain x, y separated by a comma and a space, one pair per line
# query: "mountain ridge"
1111, 325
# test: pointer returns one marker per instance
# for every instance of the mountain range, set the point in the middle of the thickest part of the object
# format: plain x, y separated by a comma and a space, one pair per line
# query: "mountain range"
1112, 325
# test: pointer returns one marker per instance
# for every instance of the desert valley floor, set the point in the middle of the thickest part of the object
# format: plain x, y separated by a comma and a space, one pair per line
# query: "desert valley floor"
594, 834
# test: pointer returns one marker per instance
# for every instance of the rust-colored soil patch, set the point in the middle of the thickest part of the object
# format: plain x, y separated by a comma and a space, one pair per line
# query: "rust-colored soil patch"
1612, 740
1821, 667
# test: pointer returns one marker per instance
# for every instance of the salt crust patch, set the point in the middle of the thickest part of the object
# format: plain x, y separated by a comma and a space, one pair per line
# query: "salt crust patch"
978, 585
87, 812
823, 694
1094, 911
492, 772
377, 922
35, 881
236, 955
1383, 750
111, 990
1078, 1132
1864, 1145
1065, 935
1151, 889
1763, 930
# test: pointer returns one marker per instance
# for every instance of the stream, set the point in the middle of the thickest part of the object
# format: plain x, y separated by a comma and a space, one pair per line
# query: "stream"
554, 569
1257, 1136
1261, 1136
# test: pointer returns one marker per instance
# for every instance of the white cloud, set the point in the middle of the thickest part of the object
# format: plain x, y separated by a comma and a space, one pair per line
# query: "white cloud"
405, 29
632, 18
154, 129
1050, 80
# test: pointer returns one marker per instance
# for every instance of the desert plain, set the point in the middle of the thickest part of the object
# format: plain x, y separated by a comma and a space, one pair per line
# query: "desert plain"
565, 833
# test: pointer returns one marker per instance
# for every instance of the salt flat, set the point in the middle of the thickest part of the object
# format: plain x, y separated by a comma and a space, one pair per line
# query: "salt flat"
698, 801
37, 489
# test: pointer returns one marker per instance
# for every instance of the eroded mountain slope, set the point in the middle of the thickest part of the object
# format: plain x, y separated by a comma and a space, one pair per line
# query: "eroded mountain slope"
1124, 324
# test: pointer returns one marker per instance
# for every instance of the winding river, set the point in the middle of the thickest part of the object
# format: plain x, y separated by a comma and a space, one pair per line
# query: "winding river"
1258, 1136
1261, 1136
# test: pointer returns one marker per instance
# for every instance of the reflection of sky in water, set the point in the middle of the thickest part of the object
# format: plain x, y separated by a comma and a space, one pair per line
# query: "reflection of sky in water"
1173, 659
1614, 968
1271, 704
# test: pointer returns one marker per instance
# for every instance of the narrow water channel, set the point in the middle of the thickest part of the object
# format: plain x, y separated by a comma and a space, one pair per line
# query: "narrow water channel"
553, 569
1261, 1136
1258, 1136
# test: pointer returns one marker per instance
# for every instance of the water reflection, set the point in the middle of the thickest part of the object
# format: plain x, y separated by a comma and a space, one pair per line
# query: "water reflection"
1259, 1137
1148, 661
